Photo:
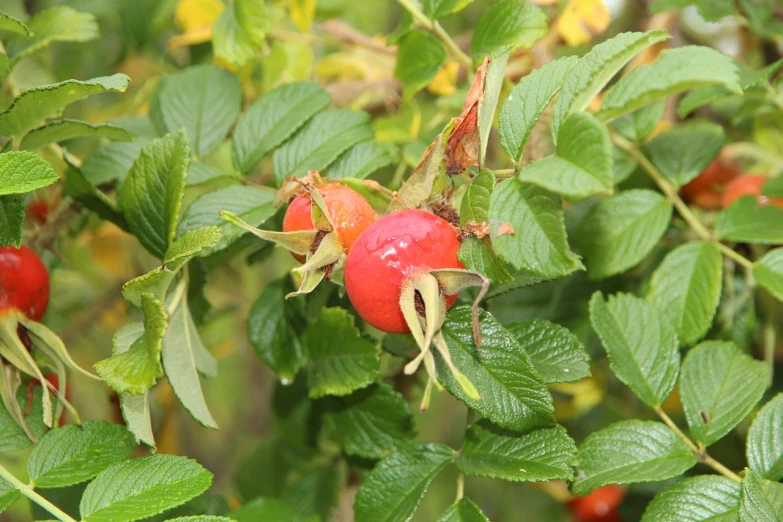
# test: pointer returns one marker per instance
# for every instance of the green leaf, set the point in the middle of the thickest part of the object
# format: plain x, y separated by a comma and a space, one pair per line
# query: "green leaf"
640, 343
360, 161
475, 203
683, 152
596, 68
201, 518
342, 361
419, 58
38, 103
199, 174
554, 351
203, 99
369, 423
538, 244
621, 230
22, 172
111, 162
747, 221
239, 31
639, 124
253, 204
321, 141
435, 9
765, 441
711, 10
143, 487
272, 118
11, 220
628, 452
719, 386
56, 24
686, 288
773, 188
73, 454
706, 498
477, 254
763, 17
135, 408
488, 104
315, 494
137, 369
153, 190
528, 100
11, 24
768, 272
179, 354
582, 163
464, 510
394, 488
8, 493
538, 455
505, 26
674, 71
266, 510
514, 393
66, 129
77, 187
272, 327
760, 500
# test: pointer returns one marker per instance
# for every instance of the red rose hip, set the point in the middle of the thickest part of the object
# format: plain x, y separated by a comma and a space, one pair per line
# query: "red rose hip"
705, 190
748, 185
598, 506
24, 282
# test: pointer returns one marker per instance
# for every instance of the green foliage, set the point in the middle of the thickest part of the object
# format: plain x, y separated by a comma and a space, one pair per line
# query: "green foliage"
747, 221
11, 219
22, 172
695, 499
464, 510
505, 26
554, 351
65, 129
421, 55
683, 152
765, 441
239, 31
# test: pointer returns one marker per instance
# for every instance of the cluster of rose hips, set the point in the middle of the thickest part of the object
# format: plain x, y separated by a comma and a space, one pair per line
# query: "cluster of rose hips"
722, 183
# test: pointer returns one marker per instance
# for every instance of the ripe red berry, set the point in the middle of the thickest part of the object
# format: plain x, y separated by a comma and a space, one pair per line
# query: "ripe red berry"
349, 211
705, 190
598, 506
391, 250
24, 282
37, 211
748, 185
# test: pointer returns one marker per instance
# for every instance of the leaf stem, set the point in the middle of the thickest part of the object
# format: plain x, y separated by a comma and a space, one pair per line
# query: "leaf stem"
28, 492
670, 191
676, 429
435, 28
504, 173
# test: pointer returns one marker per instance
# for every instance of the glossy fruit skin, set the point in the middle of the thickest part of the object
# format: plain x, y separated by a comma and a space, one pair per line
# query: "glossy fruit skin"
598, 506
705, 190
24, 282
392, 249
37, 211
55, 381
748, 185
350, 213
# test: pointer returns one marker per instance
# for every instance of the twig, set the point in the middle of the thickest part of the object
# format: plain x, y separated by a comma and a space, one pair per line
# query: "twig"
346, 33
436, 29
28, 492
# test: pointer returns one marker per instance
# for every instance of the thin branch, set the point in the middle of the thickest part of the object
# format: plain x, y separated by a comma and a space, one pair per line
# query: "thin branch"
347, 34
28, 492
436, 29
676, 429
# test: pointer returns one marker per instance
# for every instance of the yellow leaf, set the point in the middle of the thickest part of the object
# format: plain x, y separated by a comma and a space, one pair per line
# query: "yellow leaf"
193, 15
302, 13
582, 19
544, 2
445, 82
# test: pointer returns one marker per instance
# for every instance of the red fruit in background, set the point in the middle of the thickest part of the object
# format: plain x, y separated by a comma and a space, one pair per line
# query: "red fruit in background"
350, 213
37, 211
705, 190
55, 382
598, 506
24, 282
392, 249
748, 185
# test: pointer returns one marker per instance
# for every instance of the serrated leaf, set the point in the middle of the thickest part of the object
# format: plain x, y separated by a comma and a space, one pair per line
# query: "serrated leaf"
683, 152
748, 221
639, 124
38, 103
435, 9
56, 24
582, 163
628, 452
477, 254
706, 498
369, 423
464, 510
505, 26
538, 244
686, 288
538, 455
111, 162
239, 31
152, 193
640, 343
768, 272
11, 220
674, 71
419, 58
143, 487
475, 202
488, 101
394, 488
321, 141
199, 174
14, 25
554, 351
764, 449
271, 119
253, 204
514, 393
135, 408
621, 230
760, 500
8, 494
719, 386
22, 172
528, 100
596, 68
203, 99
66, 129
73, 454
342, 361
360, 161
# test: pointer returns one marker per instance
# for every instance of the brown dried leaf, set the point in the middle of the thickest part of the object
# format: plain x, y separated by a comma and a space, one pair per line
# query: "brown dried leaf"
462, 147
